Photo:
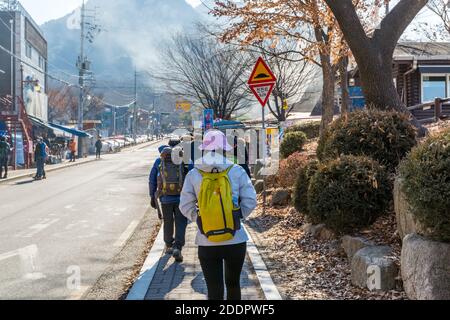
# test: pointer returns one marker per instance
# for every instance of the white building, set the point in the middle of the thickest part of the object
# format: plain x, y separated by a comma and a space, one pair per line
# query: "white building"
28, 67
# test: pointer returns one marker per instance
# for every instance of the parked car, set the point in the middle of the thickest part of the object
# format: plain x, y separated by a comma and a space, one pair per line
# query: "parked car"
120, 142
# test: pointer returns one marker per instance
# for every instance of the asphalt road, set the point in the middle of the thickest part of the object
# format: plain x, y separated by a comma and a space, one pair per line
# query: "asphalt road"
57, 236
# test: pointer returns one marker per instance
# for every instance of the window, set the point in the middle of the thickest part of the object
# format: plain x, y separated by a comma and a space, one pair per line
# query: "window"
434, 86
41, 63
28, 50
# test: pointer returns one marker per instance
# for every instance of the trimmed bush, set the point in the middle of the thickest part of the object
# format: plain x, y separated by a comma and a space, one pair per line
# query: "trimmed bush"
304, 175
384, 136
292, 142
289, 167
426, 185
349, 193
310, 128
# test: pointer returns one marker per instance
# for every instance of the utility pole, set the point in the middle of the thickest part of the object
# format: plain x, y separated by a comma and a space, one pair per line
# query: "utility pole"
135, 120
81, 64
81, 68
114, 111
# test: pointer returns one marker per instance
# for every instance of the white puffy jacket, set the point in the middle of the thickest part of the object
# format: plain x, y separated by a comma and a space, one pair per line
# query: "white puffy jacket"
242, 188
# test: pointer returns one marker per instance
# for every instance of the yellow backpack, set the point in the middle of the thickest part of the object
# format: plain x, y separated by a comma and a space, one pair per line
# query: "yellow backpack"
218, 218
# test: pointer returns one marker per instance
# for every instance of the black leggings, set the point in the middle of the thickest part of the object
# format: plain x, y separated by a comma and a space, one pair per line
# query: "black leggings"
212, 261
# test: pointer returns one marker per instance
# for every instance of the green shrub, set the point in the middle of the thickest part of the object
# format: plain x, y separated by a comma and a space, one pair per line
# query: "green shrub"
301, 186
426, 185
384, 136
292, 142
348, 193
310, 128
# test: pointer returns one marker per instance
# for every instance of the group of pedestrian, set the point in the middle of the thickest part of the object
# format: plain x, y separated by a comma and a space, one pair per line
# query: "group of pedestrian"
41, 152
215, 193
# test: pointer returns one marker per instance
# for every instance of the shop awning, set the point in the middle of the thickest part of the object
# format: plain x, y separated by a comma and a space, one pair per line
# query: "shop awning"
39, 123
72, 131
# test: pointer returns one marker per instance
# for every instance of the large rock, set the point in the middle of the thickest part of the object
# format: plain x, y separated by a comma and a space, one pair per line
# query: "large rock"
406, 222
318, 231
425, 268
280, 197
373, 268
351, 245
259, 186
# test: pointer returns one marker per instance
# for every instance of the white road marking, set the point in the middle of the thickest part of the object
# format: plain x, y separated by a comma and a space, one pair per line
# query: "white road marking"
265, 280
142, 283
127, 233
35, 229
28, 256
69, 206
34, 276
80, 224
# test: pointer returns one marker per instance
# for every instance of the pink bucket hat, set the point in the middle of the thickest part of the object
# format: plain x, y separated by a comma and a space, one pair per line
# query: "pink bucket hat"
215, 140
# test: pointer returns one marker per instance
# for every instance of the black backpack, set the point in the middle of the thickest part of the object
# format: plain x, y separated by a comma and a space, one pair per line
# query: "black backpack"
171, 176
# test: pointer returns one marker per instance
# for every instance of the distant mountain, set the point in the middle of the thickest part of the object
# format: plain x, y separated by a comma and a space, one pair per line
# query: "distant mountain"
133, 30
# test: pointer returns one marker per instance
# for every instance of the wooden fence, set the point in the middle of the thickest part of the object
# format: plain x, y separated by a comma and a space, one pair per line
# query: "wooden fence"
433, 111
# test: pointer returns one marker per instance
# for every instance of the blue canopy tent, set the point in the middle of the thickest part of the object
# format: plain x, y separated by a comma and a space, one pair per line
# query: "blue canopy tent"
72, 131
228, 124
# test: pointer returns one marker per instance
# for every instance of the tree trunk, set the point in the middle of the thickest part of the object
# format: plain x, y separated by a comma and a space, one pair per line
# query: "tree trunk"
374, 55
379, 88
327, 92
377, 81
345, 96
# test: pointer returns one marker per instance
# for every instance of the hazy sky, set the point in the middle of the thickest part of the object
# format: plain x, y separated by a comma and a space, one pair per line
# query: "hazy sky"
45, 10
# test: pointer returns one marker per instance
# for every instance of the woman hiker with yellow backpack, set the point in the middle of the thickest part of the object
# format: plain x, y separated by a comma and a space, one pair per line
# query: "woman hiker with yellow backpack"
217, 194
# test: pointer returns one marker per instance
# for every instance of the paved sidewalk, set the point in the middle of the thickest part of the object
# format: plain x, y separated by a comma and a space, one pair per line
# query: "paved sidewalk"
185, 281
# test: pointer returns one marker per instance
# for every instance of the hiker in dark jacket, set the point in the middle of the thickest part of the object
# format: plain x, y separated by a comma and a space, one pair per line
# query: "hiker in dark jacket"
172, 217
40, 155
5, 148
98, 148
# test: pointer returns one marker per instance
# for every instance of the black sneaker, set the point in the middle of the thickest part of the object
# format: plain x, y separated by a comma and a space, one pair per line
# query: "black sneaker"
177, 255
169, 249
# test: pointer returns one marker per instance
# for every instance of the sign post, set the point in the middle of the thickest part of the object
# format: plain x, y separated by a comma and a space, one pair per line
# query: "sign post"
208, 119
262, 82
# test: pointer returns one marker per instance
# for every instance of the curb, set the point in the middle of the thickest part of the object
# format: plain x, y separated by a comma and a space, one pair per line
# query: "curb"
29, 175
140, 287
269, 289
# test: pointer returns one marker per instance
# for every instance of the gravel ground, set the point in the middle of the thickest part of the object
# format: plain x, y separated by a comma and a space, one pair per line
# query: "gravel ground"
306, 268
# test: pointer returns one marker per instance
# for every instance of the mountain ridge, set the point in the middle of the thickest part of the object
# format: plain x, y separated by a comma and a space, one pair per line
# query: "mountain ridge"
133, 31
